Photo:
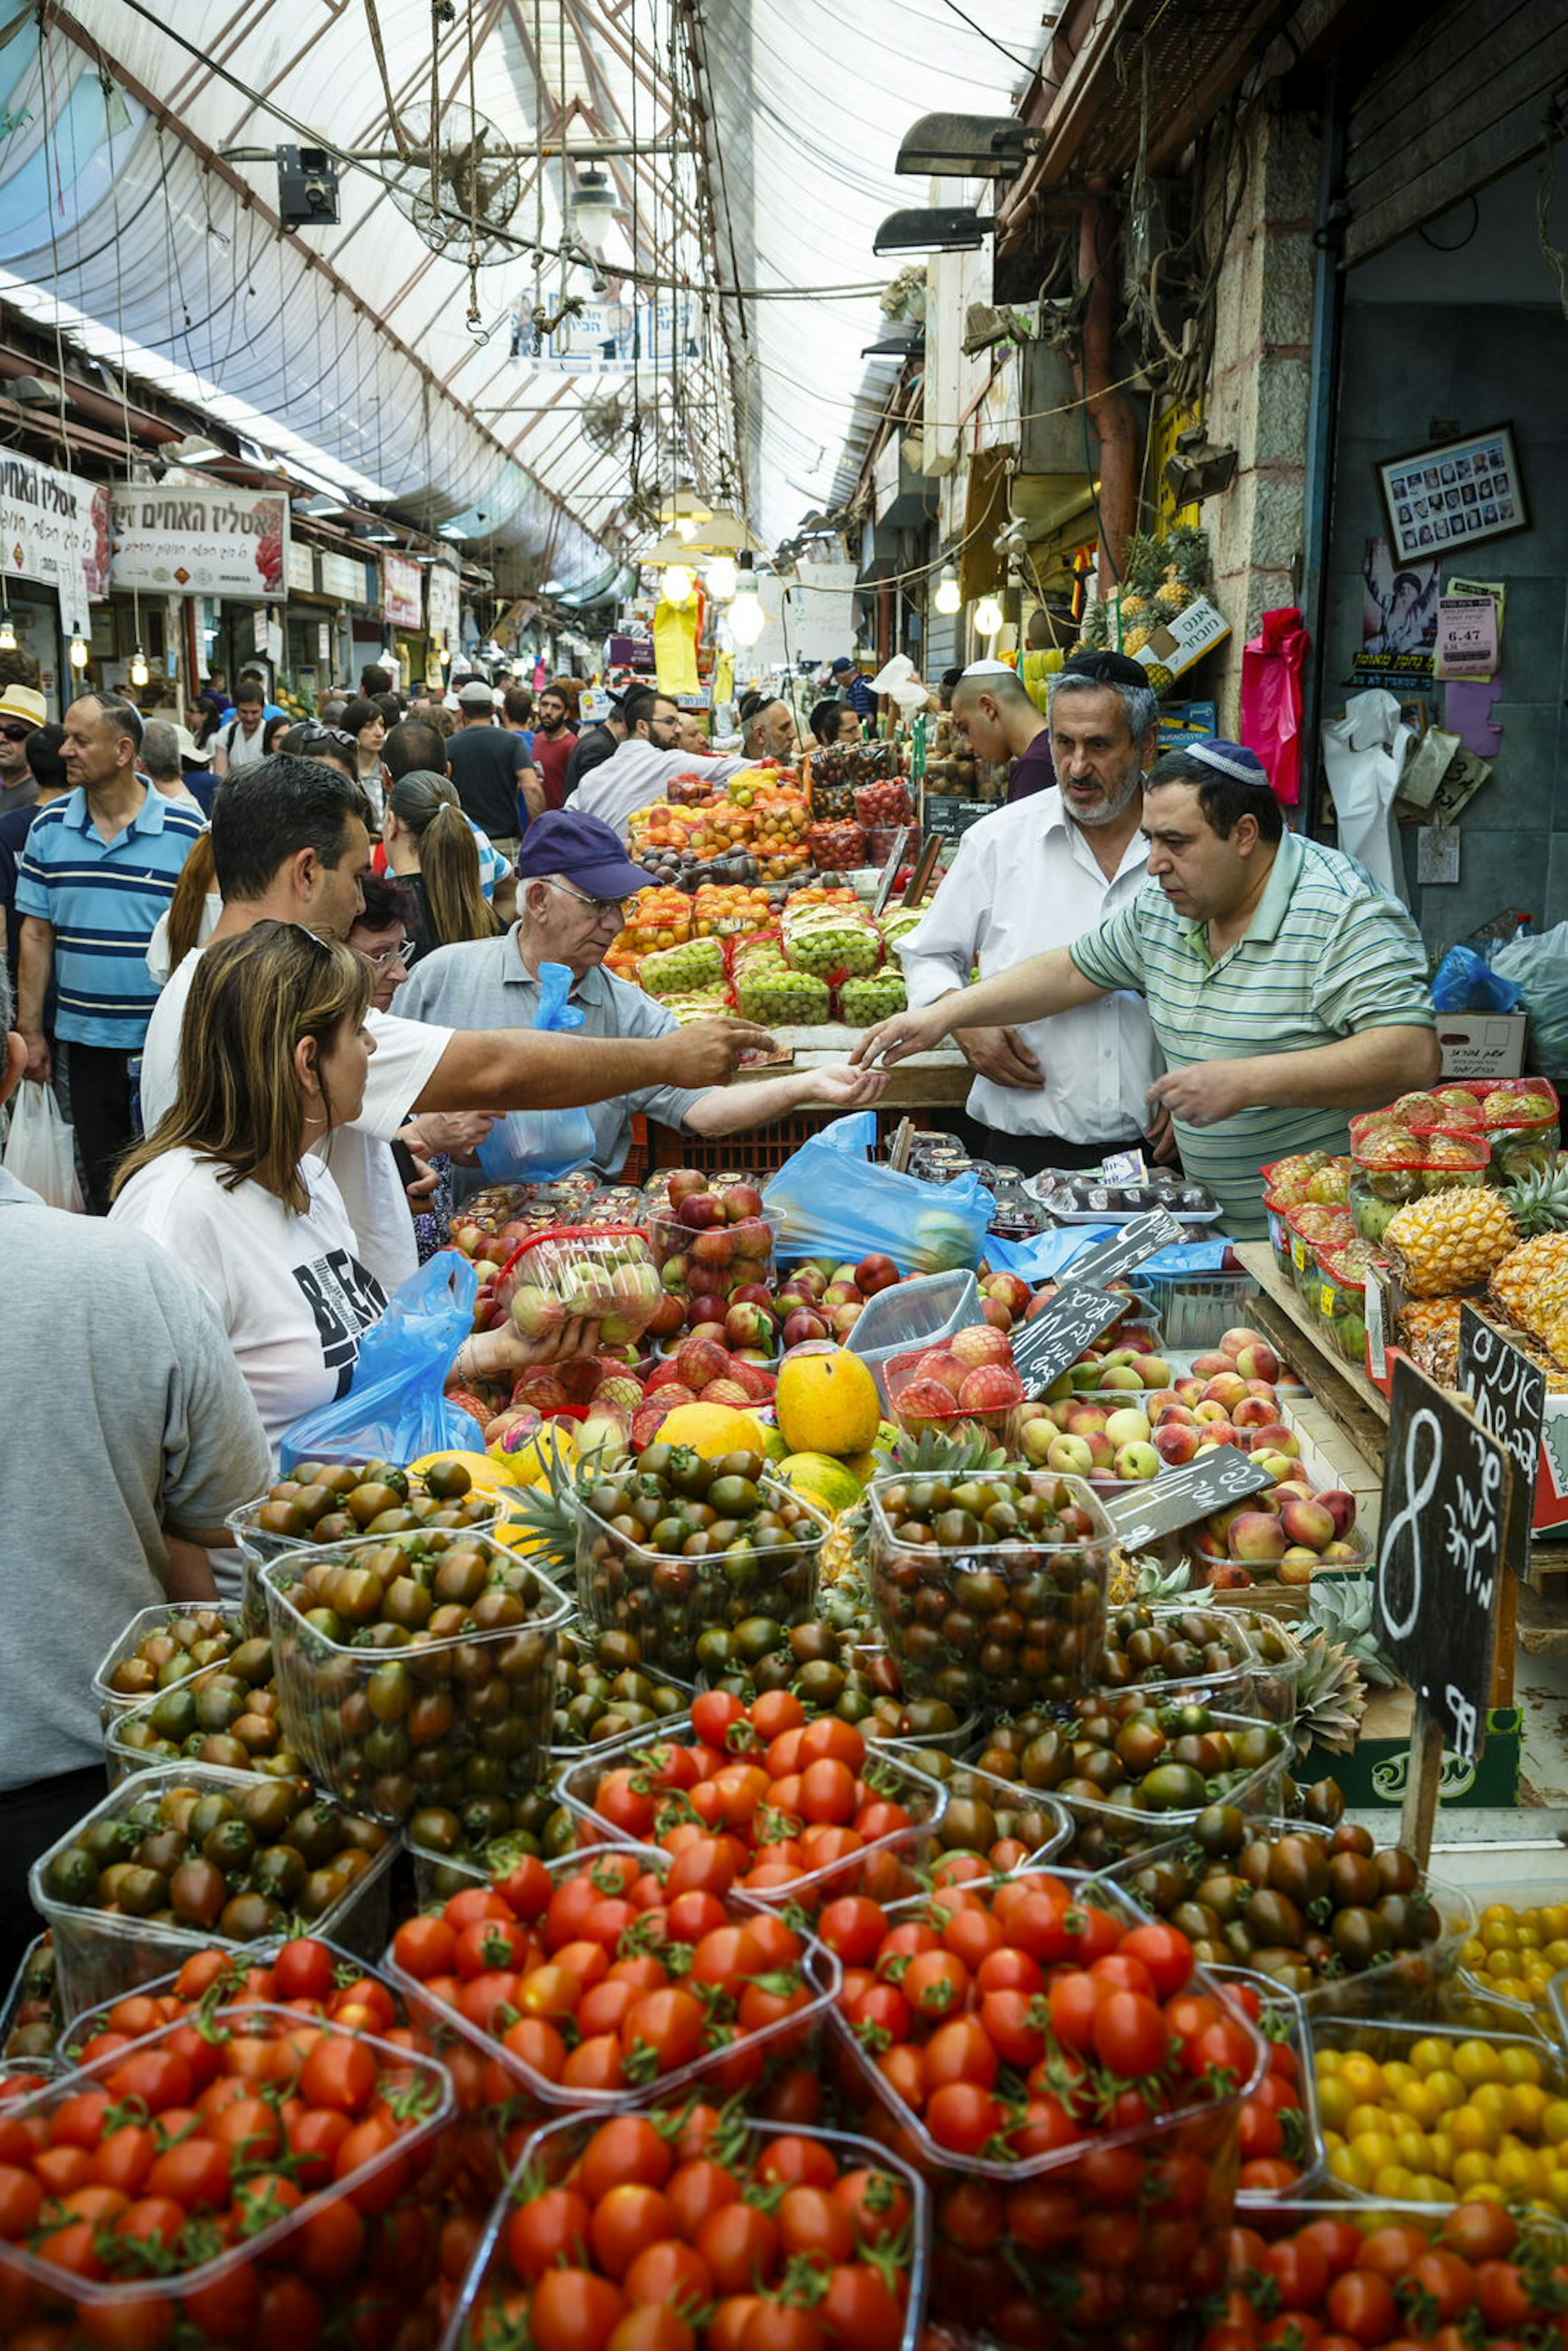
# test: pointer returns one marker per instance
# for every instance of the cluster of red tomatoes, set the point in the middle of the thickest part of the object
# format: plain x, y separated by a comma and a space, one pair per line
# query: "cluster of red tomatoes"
1274, 2126
280, 2156
684, 2231
767, 1798
604, 1975
1468, 2281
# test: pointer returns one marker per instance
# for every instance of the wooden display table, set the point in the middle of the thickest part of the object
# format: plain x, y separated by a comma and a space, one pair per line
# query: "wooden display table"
937, 1080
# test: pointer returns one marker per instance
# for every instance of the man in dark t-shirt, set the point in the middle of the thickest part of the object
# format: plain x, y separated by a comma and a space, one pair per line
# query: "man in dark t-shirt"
489, 765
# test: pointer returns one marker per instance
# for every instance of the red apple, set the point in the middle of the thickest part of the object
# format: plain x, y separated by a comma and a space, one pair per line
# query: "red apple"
998, 1316
742, 1201
682, 1183
667, 1317
748, 1326
802, 1325
752, 1293
844, 1318
752, 1237
842, 1293
713, 1247
702, 1210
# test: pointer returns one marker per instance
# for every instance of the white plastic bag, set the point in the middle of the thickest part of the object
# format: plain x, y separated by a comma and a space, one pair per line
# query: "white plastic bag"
1364, 758
41, 1150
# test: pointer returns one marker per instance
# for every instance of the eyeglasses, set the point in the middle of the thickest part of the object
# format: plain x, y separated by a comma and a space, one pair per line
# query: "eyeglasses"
602, 907
15, 734
386, 956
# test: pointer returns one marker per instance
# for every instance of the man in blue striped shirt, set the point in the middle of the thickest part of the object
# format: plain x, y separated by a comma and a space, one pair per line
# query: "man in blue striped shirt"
98, 869
1286, 988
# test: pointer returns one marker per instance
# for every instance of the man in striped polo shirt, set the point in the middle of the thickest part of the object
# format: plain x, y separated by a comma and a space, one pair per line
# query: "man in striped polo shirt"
1285, 988
98, 869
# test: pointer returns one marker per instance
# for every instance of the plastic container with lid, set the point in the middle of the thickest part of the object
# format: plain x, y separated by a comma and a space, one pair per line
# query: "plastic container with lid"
874, 1867
1313, 1230
1105, 1834
163, 2306
100, 1953
918, 1403
462, 1713
999, 1624
257, 1544
502, 2096
604, 1274
669, 1599
492, 2306
979, 1803
1391, 2040
1284, 2025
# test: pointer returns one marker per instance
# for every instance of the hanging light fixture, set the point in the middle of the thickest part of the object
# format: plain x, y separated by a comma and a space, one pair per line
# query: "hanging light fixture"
722, 577
79, 655
7, 625
949, 596
746, 618
139, 673
677, 583
988, 616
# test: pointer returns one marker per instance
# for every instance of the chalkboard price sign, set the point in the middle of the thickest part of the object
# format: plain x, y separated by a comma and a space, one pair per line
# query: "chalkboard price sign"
1056, 1336
1180, 1497
1510, 1394
1143, 1237
1445, 1517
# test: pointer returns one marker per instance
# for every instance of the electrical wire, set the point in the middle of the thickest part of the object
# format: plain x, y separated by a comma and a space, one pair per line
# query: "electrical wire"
1021, 63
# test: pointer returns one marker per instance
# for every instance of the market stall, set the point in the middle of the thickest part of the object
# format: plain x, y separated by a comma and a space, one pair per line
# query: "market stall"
648, 1828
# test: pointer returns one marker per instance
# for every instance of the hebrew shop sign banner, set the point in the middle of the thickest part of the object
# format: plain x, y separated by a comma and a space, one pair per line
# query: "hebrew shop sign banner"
207, 541
54, 527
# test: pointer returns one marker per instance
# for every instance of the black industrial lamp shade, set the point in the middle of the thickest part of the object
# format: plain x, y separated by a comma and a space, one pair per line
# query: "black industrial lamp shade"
942, 228
967, 147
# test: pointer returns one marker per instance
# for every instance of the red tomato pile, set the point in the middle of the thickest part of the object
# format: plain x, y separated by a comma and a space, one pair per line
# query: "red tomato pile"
686, 2232
1469, 2281
602, 1975
1275, 2131
255, 2173
306, 1974
759, 1799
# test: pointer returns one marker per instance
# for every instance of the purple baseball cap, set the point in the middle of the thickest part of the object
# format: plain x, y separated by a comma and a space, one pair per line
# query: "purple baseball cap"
582, 850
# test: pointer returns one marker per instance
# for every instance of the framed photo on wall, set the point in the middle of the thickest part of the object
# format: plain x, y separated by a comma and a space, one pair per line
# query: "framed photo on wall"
1455, 494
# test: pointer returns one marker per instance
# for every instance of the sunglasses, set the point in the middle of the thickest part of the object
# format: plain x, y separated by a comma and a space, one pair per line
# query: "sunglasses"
15, 734
314, 732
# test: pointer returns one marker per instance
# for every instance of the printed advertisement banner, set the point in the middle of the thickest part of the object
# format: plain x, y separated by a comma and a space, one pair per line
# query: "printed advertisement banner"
402, 599
616, 338
200, 542
54, 527
443, 603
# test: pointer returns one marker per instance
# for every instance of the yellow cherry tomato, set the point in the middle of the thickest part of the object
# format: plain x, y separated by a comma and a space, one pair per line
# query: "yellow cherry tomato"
1432, 2054
1475, 2062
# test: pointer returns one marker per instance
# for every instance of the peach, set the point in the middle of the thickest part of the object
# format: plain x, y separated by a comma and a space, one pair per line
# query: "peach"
1239, 1335
1340, 1506
1086, 1420
1175, 1443
1258, 1537
1226, 1388
1206, 1366
1209, 1411
1278, 1465
1273, 1437
1125, 1376
1139, 1461
1128, 1426
1257, 1362
1253, 1412
1069, 1455
1297, 1565
1308, 1524
1153, 1371
1039, 1440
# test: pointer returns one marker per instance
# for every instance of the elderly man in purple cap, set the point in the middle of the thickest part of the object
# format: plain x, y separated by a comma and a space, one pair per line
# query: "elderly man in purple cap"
1285, 988
575, 878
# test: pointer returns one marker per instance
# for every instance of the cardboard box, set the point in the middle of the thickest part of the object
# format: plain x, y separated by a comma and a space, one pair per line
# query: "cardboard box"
1376, 1770
1178, 645
1482, 1044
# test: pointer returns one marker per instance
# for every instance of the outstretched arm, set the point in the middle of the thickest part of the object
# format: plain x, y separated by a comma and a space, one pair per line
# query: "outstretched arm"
522, 1069
1032, 991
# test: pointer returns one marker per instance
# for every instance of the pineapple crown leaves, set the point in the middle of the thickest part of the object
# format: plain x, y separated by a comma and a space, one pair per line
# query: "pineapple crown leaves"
1339, 1607
1331, 1698
1539, 1201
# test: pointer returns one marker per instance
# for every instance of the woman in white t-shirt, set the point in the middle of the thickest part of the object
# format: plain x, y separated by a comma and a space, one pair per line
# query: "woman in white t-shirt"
273, 1057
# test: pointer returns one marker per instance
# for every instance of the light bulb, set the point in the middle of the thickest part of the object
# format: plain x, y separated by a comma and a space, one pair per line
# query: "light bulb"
721, 578
987, 616
746, 618
138, 670
79, 655
677, 583
8, 633
685, 528
949, 596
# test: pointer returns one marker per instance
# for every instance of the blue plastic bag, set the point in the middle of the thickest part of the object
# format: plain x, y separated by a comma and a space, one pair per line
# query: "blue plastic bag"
536, 1146
830, 1200
396, 1408
1465, 982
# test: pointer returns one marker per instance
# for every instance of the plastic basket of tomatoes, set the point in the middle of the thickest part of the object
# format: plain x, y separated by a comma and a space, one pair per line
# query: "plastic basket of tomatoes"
1131, 1775
1282, 2152
159, 1646
586, 1983
814, 1810
1349, 1927
185, 1855
306, 1973
416, 1669
335, 1501
244, 2216
732, 2221
228, 1713
1072, 2093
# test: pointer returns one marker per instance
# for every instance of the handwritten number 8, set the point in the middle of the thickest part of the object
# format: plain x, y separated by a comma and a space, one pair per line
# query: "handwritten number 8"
1407, 1523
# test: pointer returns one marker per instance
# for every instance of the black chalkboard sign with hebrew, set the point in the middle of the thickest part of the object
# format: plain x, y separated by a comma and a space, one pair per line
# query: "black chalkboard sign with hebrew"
1056, 1336
1180, 1497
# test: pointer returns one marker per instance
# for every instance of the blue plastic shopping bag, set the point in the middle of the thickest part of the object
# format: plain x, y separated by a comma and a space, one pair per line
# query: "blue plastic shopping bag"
395, 1408
537, 1146
831, 1199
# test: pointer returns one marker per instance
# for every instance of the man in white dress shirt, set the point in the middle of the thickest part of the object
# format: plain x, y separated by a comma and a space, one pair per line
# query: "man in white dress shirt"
638, 770
1059, 1092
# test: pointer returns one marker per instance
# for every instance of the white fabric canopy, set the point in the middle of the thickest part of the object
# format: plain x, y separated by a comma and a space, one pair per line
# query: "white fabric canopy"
347, 351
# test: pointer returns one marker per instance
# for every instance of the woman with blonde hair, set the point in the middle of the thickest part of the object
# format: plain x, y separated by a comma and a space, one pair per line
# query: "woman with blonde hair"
431, 849
235, 1178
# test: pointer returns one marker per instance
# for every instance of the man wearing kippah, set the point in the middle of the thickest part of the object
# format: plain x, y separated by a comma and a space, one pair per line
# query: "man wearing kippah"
1064, 855
1285, 988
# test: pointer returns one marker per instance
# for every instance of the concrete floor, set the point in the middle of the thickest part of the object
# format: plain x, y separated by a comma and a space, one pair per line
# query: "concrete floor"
1541, 1684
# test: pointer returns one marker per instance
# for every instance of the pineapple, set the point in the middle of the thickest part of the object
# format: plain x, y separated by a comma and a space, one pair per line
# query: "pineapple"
1172, 596
548, 1510
1530, 1284
1540, 1202
1451, 1240
1429, 1333
1331, 1698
